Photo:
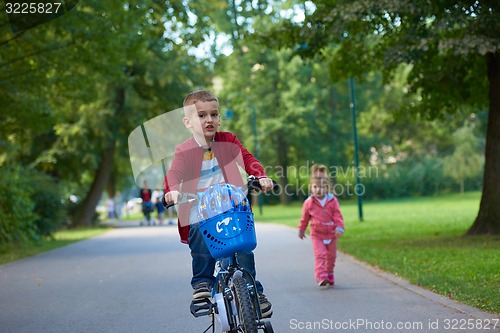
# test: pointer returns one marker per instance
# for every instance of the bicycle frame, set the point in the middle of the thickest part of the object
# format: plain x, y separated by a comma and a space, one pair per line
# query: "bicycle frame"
235, 299
223, 282
224, 303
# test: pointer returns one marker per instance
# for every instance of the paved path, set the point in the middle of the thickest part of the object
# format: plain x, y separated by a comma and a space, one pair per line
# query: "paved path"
137, 280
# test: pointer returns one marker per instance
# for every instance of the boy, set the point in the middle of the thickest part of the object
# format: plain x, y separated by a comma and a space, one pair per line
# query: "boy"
209, 158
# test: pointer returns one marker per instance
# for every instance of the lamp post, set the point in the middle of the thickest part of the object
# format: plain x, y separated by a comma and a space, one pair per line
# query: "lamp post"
254, 130
356, 156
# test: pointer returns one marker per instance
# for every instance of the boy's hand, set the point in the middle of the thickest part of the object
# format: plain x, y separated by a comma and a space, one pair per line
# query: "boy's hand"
172, 197
302, 235
338, 233
266, 184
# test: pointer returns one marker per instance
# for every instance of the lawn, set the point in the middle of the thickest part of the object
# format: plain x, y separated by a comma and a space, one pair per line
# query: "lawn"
421, 240
16, 251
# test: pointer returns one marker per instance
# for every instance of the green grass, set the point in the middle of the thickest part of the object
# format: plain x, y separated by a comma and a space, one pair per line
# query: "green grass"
15, 251
421, 240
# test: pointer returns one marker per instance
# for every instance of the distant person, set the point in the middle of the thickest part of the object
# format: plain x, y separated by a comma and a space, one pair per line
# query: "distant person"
118, 198
147, 205
158, 205
110, 205
322, 211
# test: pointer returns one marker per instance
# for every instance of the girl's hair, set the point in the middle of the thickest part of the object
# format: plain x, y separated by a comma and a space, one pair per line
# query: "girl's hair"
320, 179
200, 96
319, 169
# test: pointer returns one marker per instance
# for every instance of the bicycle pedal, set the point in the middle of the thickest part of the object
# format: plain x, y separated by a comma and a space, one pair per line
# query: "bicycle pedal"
201, 307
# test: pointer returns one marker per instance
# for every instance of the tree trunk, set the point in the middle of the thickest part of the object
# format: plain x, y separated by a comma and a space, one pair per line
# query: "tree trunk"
111, 187
85, 213
488, 218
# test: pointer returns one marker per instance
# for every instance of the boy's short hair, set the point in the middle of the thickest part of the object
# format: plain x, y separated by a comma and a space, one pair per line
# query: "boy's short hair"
200, 96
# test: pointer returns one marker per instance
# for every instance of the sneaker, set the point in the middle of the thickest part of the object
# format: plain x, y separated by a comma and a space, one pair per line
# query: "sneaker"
324, 283
331, 279
266, 308
202, 290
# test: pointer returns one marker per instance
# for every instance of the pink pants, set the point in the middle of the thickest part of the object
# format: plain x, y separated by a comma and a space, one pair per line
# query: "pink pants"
324, 259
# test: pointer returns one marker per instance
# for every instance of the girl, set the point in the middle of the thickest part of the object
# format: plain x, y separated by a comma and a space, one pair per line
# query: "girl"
322, 210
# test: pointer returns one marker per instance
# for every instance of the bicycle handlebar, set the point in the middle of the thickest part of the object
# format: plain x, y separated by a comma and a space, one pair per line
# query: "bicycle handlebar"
253, 184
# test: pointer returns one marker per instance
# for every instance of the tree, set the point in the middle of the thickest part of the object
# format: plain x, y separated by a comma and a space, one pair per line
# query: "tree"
293, 100
80, 84
139, 86
453, 50
298, 122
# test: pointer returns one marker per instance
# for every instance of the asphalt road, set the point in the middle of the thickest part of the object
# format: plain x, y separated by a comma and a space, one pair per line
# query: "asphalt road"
137, 280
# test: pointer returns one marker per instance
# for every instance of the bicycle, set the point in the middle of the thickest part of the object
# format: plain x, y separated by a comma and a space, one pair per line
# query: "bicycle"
234, 300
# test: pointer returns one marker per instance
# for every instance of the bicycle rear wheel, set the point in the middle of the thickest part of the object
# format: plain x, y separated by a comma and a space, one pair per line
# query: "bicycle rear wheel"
246, 312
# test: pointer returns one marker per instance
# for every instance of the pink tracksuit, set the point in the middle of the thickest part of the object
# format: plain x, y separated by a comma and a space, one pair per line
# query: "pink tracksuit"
324, 221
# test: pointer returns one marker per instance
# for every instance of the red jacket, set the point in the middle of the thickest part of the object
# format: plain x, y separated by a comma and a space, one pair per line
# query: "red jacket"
184, 173
324, 220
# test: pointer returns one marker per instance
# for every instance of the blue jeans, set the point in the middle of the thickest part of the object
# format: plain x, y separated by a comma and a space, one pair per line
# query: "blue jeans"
203, 264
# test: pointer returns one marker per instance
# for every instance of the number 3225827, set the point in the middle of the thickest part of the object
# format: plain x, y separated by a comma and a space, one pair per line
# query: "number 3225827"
32, 8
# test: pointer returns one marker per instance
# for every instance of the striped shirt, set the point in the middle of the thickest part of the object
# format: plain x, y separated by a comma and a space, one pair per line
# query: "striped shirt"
211, 172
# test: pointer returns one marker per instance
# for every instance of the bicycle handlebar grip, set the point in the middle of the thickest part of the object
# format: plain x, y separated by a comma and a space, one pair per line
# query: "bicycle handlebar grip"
181, 199
165, 204
254, 184
275, 186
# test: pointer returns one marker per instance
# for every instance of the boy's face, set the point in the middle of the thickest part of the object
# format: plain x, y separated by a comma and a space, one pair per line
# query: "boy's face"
319, 189
204, 120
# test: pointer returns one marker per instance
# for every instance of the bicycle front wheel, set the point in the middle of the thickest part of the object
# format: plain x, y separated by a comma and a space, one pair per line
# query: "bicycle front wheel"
246, 313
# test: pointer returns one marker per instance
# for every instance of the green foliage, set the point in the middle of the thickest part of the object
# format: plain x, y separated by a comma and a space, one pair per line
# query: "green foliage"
301, 116
466, 161
308, 118
30, 207
411, 177
17, 218
445, 43
74, 86
49, 207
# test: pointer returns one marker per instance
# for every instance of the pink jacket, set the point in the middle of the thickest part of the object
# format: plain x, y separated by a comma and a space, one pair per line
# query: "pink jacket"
324, 220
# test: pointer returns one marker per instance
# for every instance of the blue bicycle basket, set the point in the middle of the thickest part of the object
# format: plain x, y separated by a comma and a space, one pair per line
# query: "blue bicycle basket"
227, 222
